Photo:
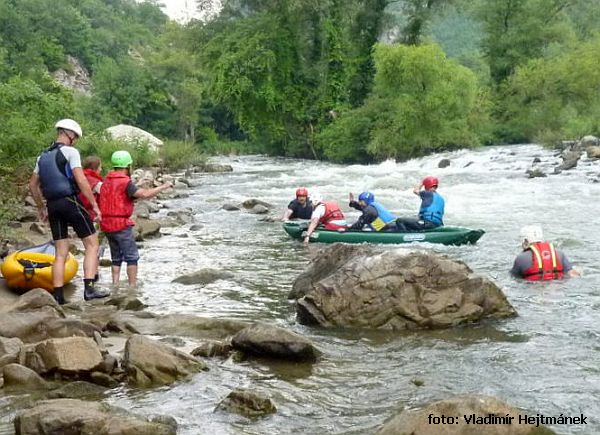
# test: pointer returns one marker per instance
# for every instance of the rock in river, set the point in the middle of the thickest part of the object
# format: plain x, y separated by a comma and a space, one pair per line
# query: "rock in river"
373, 287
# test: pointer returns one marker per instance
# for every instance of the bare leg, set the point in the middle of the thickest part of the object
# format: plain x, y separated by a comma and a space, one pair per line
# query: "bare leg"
58, 268
90, 259
116, 272
132, 275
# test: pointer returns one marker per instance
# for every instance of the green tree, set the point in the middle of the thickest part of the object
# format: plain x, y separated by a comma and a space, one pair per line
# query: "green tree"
516, 31
422, 102
28, 111
555, 98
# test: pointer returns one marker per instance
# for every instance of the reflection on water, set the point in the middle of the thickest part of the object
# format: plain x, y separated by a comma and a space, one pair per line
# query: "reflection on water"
546, 360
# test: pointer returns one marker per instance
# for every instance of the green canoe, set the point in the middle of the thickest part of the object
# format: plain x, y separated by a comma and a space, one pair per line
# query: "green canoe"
443, 235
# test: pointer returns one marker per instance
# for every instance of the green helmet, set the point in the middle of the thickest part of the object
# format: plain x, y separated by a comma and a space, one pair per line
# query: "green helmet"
121, 159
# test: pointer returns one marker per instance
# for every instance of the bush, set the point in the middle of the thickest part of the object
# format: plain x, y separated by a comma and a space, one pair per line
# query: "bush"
29, 111
102, 146
180, 155
548, 99
422, 103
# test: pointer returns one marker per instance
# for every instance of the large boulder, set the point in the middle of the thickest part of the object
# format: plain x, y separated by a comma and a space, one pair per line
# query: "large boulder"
131, 134
274, 342
464, 412
35, 316
72, 355
71, 416
149, 362
373, 287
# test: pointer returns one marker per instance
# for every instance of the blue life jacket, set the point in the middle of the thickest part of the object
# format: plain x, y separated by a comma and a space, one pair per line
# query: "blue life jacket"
56, 175
434, 212
384, 216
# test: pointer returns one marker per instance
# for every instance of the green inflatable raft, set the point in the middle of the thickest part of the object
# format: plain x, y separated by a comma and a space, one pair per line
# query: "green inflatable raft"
443, 235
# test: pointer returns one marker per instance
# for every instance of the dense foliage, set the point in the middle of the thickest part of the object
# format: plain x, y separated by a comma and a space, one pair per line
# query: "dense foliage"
345, 80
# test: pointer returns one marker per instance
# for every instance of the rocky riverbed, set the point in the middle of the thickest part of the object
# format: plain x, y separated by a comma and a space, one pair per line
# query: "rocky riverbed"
210, 340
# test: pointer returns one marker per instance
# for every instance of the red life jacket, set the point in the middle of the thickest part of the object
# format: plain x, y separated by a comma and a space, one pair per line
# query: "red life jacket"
115, 205
332, 213
545, 263
93, 178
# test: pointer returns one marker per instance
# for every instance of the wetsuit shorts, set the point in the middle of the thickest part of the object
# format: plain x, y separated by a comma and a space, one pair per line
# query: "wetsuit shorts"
69, 211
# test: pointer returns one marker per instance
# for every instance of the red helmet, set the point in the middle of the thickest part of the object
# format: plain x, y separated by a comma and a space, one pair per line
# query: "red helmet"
301, 192
429, 182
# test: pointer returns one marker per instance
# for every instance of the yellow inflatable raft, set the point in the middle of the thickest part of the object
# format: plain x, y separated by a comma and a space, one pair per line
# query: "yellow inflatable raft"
32, 268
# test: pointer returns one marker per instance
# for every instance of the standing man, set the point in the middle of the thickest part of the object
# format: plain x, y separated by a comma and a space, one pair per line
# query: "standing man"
116, 204
58, 178
539, 260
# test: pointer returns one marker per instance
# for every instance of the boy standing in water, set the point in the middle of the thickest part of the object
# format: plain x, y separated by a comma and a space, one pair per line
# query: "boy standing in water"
116, 206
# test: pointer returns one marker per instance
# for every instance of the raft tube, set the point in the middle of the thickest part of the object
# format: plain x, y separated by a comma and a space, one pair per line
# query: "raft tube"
444, 235
32, 268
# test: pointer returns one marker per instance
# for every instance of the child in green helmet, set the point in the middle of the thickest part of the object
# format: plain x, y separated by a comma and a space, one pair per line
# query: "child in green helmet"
117, 195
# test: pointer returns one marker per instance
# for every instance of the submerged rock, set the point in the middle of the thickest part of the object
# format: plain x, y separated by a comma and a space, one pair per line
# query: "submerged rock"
417, 421
230, 207
213, 348
258, 209
274, 342
247, 403
71, 416
149, 362
253, 202
78, 390
444, 163
373, 287
203, 277
535, 173
213, 167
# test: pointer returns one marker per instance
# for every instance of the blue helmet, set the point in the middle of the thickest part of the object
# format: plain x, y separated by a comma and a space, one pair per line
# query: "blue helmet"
367, 197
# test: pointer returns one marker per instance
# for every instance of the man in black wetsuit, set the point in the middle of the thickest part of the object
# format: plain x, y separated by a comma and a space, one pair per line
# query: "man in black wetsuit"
299, 208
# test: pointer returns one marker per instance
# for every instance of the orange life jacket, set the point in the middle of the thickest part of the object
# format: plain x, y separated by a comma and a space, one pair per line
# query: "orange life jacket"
332, 213
115, 205
93, 179
545, 263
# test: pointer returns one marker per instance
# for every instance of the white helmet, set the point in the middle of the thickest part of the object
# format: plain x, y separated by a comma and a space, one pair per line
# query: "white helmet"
316, 198
69, 124
532, 234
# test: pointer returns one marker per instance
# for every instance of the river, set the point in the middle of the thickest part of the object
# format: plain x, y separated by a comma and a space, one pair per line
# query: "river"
546, 360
